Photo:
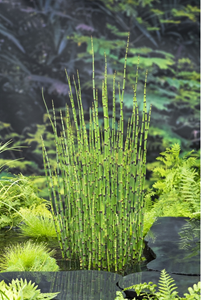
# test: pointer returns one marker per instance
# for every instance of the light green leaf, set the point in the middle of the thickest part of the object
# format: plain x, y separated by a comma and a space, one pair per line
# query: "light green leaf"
146, 62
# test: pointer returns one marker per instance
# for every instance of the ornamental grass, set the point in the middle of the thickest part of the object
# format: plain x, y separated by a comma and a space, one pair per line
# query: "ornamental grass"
29, 257
101, 206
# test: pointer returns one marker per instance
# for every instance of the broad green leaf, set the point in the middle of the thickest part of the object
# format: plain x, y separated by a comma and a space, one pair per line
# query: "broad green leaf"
151, 98
166, 54
153, 28
180, 82
189, 75
157, 11
95, 45
143, 50
162, 63
170, 21
161, 91
115, 30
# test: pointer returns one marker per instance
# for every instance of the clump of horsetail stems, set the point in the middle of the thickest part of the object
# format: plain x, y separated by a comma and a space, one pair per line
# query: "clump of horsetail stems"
101, 209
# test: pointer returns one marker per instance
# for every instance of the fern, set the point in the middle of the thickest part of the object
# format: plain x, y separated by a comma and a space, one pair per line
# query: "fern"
189, 237
150, 216
163, 136
190, 188
171, 156
15, 193
191, 12
166, 287
176, 184
146, 62
23, 290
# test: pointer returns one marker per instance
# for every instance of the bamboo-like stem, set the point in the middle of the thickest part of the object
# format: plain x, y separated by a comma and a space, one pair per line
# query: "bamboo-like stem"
98, 187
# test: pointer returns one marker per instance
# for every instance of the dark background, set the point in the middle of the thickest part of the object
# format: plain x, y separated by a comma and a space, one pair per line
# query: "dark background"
41, 38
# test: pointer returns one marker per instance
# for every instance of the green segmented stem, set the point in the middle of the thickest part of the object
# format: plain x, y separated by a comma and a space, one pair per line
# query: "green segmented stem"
98, 185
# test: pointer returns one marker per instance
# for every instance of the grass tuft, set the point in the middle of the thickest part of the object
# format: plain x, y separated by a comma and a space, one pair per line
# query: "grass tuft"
28, 256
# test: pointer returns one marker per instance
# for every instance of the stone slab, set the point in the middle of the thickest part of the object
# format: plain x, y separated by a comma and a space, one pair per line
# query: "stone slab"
92, 285
165, 241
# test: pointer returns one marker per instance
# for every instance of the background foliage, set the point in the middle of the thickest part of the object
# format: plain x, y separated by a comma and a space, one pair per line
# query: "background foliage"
38, 39
174, 186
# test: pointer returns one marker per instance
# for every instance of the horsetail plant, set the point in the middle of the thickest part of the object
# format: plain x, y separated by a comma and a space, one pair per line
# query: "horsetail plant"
97, 189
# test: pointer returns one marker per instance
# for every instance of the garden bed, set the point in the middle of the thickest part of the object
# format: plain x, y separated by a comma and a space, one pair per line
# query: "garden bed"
97, 285
14, 236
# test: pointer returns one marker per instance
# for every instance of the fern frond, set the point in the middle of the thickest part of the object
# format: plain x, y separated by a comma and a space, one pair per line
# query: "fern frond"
177, 184
167, 286
191, 162
190, 189
148, 200
171, 156
162, 158
176, 149
160, 170
189, 237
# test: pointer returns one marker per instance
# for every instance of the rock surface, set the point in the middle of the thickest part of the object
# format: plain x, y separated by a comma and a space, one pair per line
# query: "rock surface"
176, 251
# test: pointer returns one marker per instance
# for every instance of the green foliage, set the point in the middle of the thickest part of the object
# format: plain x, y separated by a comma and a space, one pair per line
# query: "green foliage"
38, 223
144, 289
11, 163
150, 215
97, 178
42, 130
126, 5
101, 45
194, 293
166, 287
191, 12
163, 90
15, 162
41, 184
147, 62
154, 26
115, 30
190, 237
5, 147
15, 193
176, 183
28, 256
119, 296
20, 289
161, 138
